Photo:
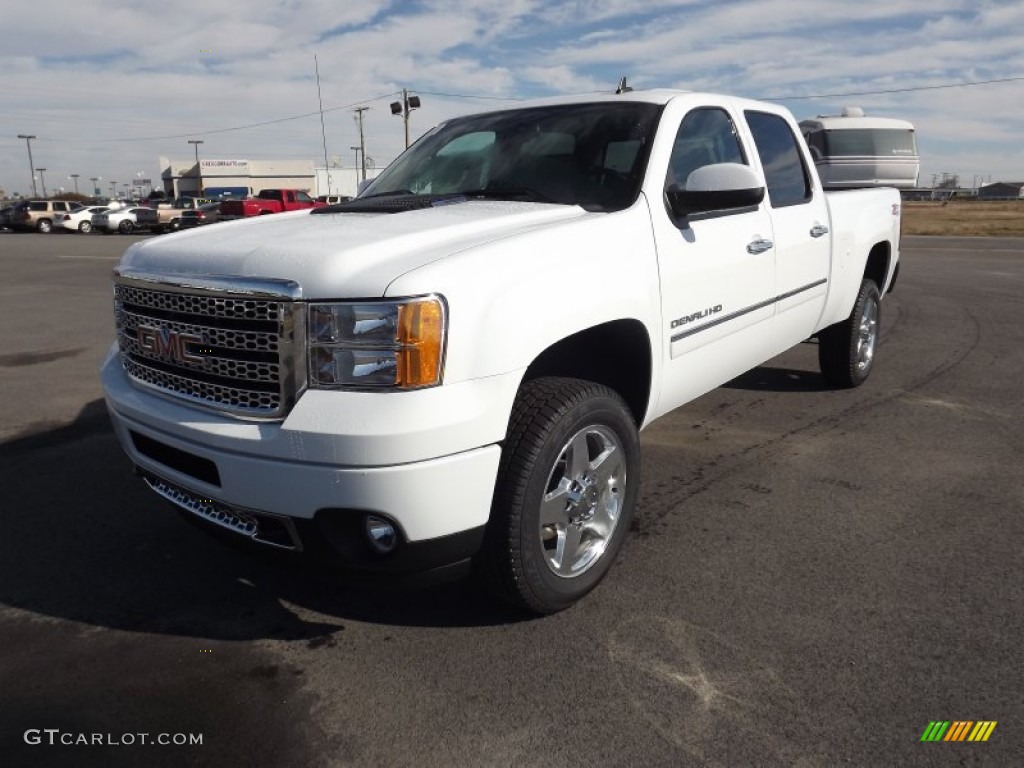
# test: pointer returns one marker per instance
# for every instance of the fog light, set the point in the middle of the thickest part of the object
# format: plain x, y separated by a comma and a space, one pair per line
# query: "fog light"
381, 534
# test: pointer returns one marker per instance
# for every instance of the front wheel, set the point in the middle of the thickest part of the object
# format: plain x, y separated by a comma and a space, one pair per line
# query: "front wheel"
846, 350
125, 227
85, 227
44, 226
567, 483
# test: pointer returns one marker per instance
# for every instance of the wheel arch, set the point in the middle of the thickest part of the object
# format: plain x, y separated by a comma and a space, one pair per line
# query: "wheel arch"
616, 354
877, 266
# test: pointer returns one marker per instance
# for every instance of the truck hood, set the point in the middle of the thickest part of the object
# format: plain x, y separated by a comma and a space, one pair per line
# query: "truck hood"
341, 255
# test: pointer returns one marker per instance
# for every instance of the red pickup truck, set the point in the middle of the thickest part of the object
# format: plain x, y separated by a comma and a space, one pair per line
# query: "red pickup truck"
267, 201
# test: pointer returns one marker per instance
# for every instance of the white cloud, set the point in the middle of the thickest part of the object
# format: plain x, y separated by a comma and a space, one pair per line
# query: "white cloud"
163, 70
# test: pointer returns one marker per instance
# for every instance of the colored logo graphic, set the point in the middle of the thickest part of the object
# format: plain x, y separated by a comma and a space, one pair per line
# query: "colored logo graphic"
958, 730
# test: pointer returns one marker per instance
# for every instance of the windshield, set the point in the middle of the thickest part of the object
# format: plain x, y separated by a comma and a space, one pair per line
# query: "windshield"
870, 142
591, 155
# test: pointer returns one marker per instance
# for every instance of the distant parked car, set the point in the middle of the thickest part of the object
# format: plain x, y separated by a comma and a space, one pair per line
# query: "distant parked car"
204, 214
40, 214
80, 220
125, 220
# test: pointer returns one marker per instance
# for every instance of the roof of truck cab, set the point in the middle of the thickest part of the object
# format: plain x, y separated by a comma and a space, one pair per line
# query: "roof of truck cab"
659, 96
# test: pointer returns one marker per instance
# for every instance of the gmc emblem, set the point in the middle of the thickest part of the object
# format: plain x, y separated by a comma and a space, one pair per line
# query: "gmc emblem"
164, 342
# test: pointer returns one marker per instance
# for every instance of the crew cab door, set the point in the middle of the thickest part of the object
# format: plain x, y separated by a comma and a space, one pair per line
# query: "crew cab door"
717, 269
800, 218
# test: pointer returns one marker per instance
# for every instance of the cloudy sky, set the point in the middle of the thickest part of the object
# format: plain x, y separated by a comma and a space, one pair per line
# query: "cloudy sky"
109, 87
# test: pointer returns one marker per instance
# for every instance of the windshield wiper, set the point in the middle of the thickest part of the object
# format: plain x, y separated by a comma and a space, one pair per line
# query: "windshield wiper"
386, 194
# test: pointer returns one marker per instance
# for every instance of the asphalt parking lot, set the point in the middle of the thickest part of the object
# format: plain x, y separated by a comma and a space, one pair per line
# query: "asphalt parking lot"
813, 577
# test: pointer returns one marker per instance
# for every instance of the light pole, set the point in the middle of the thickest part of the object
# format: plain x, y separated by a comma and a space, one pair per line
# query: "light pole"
403, 108
95, 189
113, 190
357, 150
75, 177
31, 169
42, 180
199, 173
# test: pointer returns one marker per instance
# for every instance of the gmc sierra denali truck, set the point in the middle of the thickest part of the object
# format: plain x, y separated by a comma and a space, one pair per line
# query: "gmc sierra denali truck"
451, 370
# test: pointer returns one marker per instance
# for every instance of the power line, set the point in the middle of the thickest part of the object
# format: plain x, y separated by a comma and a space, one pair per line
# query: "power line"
468, 96
899, 90
244, 127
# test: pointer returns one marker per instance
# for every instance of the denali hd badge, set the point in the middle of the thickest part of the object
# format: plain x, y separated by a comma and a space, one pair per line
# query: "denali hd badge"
696, 316
164, 342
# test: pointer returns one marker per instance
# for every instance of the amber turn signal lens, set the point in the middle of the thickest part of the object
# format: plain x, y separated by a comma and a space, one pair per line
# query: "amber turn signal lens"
421, 335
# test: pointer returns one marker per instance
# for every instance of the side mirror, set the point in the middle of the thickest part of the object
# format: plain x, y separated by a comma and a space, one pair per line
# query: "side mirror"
719, 187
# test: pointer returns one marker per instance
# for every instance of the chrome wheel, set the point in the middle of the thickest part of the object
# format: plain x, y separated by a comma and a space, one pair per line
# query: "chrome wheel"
583, 501
846, 350
867, 336
562, 504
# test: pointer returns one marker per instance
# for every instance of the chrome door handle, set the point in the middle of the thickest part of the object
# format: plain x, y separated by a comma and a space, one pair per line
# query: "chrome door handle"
759, 246
818, 230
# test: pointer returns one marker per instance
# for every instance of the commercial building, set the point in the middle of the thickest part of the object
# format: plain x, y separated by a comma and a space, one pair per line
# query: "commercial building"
1002, 190
184, 177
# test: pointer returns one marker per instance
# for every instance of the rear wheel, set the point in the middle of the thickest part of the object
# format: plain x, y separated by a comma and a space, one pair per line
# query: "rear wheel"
566, 488
44, 225
846, 350
125, 227
85, 227
175, 225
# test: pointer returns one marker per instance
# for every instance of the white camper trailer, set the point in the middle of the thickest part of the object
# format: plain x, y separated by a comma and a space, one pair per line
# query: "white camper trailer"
853, 150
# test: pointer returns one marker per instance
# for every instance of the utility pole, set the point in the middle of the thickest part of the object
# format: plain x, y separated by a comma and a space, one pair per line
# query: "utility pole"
199, 172
362, 140
31, 168
75, 177
95, 189
403, 108
42, 180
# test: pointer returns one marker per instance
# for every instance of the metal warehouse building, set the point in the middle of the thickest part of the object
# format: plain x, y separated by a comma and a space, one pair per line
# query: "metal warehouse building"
184, 177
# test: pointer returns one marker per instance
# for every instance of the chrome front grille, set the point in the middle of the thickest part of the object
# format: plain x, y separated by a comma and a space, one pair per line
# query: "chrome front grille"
202, 306
231, 345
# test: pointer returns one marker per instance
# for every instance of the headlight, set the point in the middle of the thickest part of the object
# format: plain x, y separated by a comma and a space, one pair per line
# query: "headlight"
377, 345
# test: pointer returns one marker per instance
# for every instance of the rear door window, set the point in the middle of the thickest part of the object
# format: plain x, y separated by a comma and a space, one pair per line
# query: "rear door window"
784, 169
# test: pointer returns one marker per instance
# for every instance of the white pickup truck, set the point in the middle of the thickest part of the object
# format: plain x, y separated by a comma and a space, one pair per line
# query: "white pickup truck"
452, 369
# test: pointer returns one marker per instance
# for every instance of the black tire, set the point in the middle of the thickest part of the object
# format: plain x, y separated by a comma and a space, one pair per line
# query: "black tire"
125, 227
846, 350
85, 227
547, 568
44, 226
175, 225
